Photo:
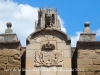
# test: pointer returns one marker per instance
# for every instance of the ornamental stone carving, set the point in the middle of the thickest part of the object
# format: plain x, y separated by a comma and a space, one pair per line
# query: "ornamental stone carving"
48, 58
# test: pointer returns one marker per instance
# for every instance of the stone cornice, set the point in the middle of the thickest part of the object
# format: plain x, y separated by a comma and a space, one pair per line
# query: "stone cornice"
90, 44
10, 44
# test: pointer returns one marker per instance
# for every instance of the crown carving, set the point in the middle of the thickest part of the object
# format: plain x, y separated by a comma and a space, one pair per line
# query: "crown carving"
48, 46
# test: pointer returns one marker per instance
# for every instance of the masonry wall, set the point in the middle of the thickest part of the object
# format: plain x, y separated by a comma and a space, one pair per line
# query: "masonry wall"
87, 55
62, 46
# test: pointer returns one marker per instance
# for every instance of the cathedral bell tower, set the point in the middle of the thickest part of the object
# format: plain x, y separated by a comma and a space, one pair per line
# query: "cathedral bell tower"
47, 18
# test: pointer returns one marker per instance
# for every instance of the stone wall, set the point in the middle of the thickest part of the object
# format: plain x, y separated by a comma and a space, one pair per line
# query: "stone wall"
88, 58
10, 57
56, 51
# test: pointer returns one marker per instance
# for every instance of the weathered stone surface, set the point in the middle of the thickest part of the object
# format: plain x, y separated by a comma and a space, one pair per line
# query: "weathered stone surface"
92, 56
49, 71
64, 73
2, 66
15, 72
82, 56
67, 62
12, 66
94, 68
50, 37
11, 52
8, 38
63, 46
85, 73
0, 52
86, 51
33, 46
30, 53
3, 59
5, 72
10, 59
30, 62
97, 50
67, 53
87, 37
82, 67
16, 62
84, 61
34, 71
96, 61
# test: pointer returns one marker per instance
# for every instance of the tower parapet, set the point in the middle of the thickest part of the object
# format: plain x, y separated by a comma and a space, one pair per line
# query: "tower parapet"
47, 18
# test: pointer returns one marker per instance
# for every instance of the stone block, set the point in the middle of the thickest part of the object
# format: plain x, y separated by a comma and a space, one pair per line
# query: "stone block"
64, 73
33, 46
29, 53
0, 52
92, 56
16, 62
10, 52
50, 37
94, 68
82, 67
86, 51
82, 56
15, 72
38, 39
2, 66
44, 38
67, 62
29, 62
98, 73
84, 61
96, 61
97, 50
85, 73
12, 66
48, 70
87, 37
5, 72
67, 53
3, 59
10, 59
63, 46
34, 71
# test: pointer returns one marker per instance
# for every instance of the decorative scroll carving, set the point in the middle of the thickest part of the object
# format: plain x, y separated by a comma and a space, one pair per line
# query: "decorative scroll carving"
48, 58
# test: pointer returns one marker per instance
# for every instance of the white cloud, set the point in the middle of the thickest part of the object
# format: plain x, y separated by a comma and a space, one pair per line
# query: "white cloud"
75, 38
22, 17
97, 32
62, 24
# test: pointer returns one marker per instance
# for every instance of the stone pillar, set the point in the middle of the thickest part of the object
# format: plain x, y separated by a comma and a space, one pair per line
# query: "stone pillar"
88, 50
10, 47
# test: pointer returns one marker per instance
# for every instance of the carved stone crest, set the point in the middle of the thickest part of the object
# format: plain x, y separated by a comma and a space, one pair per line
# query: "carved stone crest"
48, 58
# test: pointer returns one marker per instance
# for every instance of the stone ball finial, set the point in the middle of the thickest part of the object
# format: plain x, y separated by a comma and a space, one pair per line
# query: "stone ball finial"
87, 24
9, 25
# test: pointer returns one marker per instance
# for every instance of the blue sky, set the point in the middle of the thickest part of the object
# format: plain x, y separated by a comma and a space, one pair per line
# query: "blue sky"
73, 12
22, 13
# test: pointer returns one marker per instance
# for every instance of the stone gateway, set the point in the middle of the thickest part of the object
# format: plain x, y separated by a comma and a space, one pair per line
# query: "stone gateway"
48, 50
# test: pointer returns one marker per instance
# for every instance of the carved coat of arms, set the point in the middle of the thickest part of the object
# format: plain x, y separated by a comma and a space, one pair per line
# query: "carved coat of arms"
48, 57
